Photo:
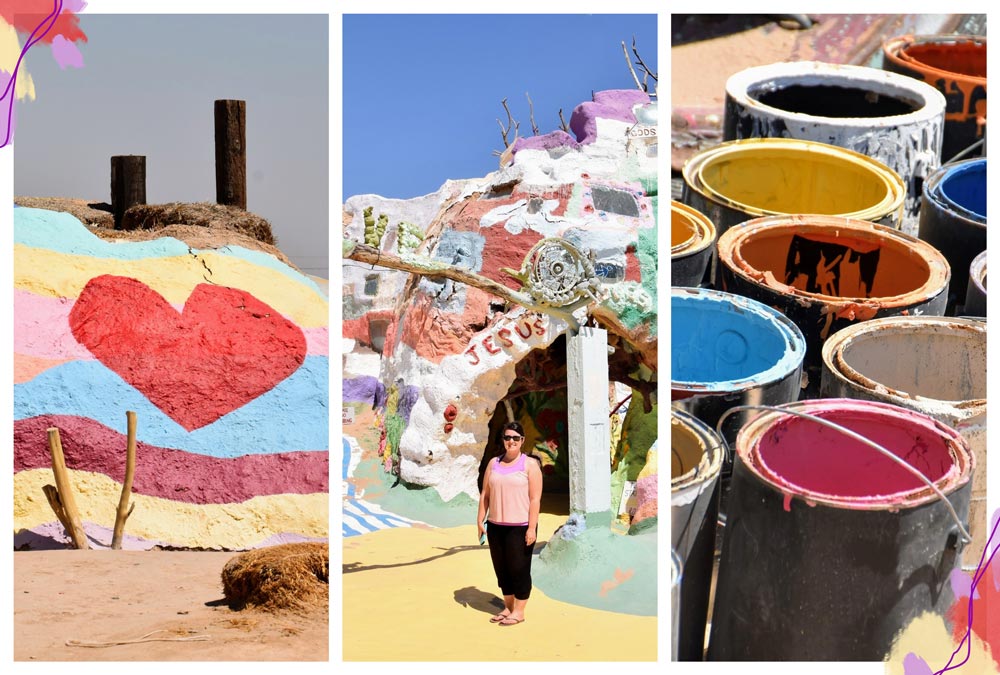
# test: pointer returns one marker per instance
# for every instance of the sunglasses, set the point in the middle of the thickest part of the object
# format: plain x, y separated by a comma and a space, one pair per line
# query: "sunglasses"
512, 438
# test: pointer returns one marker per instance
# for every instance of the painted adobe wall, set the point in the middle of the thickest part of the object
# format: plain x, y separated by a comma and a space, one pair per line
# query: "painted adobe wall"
449, 354
223, 354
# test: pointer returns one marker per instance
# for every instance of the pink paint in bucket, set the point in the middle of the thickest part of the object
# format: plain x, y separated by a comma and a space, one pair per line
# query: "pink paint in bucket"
816, 462
830, 548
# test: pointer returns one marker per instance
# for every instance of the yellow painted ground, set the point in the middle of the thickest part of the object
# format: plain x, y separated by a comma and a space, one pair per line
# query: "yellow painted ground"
427, 595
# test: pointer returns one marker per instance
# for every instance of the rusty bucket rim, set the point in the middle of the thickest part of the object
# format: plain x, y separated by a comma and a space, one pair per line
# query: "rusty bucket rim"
713, 442
838, 367
939, 270
703, 234
894, 45
955, 478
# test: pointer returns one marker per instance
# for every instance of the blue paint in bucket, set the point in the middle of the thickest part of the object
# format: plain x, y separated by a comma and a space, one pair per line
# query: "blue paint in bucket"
720, 341
965, 187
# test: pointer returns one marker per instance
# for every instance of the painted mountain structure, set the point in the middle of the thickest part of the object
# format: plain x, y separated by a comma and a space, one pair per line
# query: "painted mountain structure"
445, 364
223, 354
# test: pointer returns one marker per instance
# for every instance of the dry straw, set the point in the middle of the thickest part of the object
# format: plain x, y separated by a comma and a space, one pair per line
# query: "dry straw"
288, 576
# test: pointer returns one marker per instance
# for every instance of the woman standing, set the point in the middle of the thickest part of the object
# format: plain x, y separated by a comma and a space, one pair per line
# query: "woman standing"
512, 493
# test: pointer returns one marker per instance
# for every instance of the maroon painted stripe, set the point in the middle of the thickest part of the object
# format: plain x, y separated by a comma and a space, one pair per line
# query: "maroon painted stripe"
165, 472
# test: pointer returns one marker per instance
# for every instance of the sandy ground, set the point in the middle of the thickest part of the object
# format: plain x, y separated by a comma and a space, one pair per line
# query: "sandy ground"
418, 594
112, 596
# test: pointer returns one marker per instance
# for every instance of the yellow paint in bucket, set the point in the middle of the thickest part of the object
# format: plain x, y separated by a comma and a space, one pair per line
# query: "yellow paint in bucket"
690, 230
777, 176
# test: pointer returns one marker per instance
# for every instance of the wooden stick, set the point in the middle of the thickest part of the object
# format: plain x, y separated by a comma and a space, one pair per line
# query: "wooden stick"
128, 184
65, 495
52, 495
231, 152
123, 508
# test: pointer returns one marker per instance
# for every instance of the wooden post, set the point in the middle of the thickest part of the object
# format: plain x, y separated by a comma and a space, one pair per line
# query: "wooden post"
128, 184
231, 153
123, 508
66, 497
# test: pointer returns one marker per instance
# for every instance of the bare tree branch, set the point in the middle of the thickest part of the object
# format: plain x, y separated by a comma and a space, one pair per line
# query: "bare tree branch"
630, 68
642, 65
562, 122
510, 124
531, 114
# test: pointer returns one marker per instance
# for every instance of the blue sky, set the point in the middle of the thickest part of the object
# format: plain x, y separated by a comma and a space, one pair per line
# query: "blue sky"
422, 93
147, 88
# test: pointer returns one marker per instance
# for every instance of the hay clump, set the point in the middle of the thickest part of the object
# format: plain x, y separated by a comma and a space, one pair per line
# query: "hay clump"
288, 576
202, 214
89, 213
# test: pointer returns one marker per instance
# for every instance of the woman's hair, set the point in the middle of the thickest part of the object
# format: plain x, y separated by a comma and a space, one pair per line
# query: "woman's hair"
513, 426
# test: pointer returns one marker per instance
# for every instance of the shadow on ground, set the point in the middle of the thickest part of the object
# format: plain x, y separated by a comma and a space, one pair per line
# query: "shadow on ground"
472, 597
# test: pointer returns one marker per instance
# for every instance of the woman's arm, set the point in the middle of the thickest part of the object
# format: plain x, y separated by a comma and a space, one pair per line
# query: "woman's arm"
484, 499
535, 499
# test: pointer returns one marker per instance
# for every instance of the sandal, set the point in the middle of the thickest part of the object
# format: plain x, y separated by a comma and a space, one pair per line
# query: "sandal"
497, 618
510, 621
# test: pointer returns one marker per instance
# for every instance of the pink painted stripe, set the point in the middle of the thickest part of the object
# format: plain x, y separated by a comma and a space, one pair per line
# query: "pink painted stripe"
41, 329
168, 473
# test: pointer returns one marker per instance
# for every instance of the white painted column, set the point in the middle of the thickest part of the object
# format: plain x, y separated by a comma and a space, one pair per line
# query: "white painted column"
589, 424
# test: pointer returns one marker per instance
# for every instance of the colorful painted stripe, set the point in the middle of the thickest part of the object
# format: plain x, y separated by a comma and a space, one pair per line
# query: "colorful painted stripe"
42, 329
45, 273
165, 472
288, 417
360, 516
63, 233
227, 526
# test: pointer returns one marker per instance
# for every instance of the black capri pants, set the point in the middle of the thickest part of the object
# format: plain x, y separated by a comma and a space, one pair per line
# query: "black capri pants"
511, 558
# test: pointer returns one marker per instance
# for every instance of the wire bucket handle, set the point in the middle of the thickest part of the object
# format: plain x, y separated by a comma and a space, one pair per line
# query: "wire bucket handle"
858, 437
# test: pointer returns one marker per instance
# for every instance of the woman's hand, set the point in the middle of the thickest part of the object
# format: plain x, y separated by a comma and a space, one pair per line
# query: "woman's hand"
482, 529
529, 537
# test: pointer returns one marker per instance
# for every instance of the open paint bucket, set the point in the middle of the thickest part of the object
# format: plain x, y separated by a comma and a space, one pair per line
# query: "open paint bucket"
934, 365
975, 296
956, 65
830, 548
696, 454
740, 180
826, 273
692, 239
894, 119
727, 350
953, 218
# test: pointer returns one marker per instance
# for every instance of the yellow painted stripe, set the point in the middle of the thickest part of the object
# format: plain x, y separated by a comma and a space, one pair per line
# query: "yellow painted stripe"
444, 576
230, 526
47, 273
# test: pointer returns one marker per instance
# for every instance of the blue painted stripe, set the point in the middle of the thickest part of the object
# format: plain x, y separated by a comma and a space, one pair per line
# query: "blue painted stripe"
294, 415
347, 466
387, 519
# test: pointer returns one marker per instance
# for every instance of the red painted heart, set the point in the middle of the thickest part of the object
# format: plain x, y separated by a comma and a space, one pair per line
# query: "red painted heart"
223, 350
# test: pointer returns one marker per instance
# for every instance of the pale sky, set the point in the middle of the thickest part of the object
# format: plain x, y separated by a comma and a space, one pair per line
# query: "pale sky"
148, 86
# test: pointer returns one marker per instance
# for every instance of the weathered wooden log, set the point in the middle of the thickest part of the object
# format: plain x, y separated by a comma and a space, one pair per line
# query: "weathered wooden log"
124, 511
128, 184
231, 153
65, 492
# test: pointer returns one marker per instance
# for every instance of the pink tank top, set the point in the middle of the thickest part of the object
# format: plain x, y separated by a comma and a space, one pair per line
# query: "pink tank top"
509, 499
